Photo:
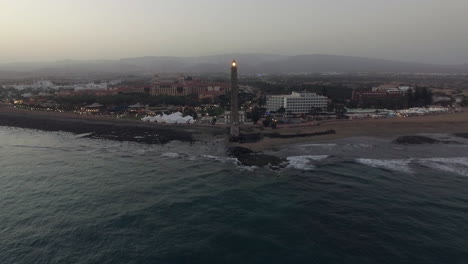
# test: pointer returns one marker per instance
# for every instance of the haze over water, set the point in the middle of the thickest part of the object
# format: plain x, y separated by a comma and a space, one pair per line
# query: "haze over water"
66, 199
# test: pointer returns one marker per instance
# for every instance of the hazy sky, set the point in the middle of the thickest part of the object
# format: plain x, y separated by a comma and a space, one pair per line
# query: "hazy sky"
433, 31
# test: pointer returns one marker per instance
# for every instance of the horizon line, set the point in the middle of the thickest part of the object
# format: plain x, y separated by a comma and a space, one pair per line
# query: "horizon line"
220, 54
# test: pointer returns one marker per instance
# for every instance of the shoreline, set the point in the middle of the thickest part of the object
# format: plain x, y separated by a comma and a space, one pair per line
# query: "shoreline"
106, 128
151, 133
380, 128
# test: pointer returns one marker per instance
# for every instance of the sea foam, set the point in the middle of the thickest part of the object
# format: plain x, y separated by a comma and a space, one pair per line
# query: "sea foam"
319, 145
170, 155
221, 159
457, 165
304, 162
452, 165
391, 164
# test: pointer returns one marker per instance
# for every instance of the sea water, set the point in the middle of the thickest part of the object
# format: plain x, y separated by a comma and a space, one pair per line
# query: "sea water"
69, 199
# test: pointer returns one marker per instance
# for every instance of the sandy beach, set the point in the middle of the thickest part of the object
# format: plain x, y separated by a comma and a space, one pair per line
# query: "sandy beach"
388, 128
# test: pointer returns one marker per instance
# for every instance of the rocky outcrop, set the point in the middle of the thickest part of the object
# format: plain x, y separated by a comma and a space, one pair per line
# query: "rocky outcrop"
462, 135
249, 158
112, 130
255, 137
238, 151
413, 140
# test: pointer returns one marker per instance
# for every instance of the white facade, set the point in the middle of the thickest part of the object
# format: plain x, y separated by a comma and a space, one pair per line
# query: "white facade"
296, 103
90, 86
392, 89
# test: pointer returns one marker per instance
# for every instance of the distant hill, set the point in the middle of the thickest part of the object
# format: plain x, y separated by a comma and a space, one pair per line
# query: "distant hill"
249, 64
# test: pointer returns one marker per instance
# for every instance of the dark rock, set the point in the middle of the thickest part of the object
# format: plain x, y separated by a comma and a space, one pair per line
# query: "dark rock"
249, 158
277, 135
238, 151
250, 138
462, 135
259, 160
416, 140
100, 129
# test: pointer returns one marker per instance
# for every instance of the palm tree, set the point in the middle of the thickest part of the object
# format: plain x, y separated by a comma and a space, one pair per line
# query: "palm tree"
315, 111
281, 111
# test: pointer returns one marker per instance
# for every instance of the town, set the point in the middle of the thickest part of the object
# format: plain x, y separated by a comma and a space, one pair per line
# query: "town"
265, 100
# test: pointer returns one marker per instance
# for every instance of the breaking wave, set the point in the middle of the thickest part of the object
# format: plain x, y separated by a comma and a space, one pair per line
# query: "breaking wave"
304, 162
221, 159
84, 135
452, 165
457, 165
393, 164
320, 145
170, 155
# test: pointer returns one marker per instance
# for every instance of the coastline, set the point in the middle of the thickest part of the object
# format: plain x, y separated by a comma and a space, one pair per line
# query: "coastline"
151, 133
380, 128
106, 128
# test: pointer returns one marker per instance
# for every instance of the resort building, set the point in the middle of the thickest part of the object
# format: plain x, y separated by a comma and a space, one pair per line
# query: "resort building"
359, 96
185, 86
383, 96
296, 103
382, 92
392, 88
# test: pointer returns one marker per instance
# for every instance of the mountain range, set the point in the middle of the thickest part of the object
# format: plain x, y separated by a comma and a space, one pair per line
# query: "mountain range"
248, 64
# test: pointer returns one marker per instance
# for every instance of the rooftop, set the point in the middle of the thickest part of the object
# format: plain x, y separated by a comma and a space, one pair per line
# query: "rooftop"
299, 95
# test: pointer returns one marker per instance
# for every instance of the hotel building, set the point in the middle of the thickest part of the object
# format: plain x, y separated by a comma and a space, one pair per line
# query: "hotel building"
296, 103
187, 86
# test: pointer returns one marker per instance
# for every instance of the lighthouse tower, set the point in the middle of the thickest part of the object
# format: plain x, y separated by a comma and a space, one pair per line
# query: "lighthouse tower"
234, 134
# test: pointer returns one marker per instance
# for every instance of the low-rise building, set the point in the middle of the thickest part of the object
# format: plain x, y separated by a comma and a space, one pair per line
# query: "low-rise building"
296, 103
138, 108
441, 99
93, 109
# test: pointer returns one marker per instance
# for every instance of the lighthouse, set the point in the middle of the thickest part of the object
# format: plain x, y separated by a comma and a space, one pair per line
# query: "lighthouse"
234, 134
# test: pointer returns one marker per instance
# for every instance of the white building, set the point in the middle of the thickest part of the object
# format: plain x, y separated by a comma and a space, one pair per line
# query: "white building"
439, 99
44, 84
390, 88
296, 103
90, 86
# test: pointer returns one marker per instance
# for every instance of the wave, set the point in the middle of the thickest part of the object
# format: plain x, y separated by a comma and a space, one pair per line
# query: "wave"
170, 155
457, 165
141, 152
391, 164
452, 165
222, 159
358, 146
319, 145
304, 162
84, 135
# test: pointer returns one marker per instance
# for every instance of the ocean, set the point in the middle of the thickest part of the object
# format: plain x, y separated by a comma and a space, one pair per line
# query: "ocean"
65, 198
